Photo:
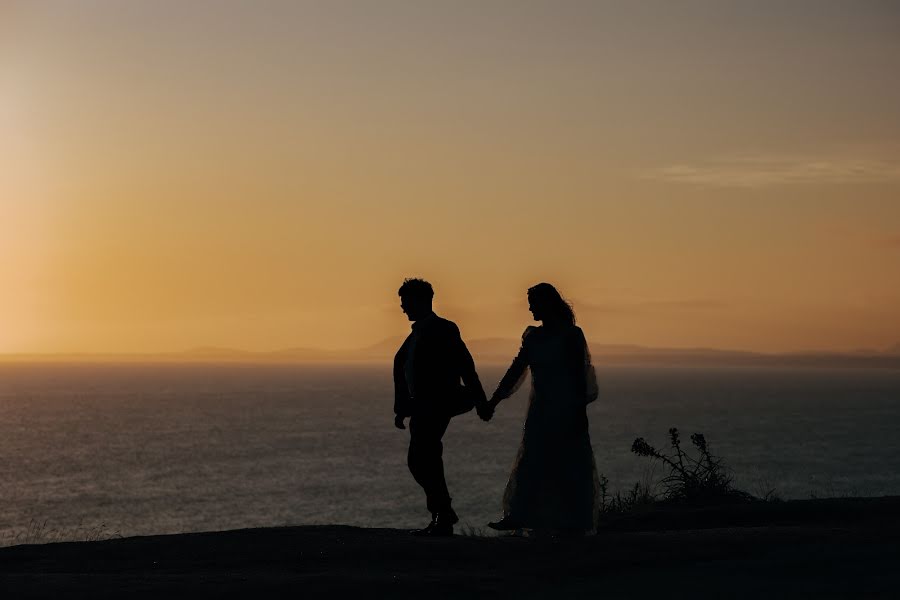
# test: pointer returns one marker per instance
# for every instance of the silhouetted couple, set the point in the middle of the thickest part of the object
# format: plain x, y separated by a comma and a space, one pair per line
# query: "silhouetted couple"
553, 485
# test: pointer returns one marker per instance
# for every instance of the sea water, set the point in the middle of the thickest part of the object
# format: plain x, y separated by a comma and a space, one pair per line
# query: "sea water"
94, 450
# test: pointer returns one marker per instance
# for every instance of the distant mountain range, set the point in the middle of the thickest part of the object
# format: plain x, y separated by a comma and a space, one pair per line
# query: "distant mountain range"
501, 351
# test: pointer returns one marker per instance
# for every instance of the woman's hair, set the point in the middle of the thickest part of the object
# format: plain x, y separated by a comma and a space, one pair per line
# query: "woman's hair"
552, 304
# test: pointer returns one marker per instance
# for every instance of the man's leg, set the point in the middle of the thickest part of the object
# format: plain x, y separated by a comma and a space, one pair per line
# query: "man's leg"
425, 460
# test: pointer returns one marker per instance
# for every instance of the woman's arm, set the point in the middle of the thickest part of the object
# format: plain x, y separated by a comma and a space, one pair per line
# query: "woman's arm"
582, 371
466, 368
578, 361
515, 375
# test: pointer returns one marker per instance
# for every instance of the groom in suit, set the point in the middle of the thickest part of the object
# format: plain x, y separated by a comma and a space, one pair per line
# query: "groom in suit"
427, 372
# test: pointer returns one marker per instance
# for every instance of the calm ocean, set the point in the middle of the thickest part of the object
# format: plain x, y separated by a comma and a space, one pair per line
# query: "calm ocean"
147, 449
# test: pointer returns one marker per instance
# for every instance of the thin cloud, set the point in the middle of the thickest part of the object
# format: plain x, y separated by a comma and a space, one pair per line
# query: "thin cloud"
891, 241
687, 304
762, 171
650, 306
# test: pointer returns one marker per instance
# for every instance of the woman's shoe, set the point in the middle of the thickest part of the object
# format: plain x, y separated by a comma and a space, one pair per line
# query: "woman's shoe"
505, 524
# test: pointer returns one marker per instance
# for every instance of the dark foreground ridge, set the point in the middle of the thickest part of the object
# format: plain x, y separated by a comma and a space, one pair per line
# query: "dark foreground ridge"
836, 548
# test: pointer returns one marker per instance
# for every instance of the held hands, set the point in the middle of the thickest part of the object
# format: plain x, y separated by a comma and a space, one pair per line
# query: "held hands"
485, 410
398, 422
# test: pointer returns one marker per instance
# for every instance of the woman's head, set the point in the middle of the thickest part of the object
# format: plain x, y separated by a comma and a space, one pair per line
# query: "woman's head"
546, 304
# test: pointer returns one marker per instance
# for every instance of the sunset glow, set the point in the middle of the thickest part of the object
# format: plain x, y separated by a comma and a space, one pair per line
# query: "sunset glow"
263, 176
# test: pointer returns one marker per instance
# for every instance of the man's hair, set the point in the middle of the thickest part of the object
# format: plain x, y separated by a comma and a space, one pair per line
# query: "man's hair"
416, 288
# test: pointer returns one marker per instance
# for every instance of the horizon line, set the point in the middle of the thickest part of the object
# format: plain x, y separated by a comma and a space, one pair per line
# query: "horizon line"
199, 350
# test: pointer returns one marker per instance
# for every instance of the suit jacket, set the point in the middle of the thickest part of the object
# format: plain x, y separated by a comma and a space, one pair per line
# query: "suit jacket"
428, 369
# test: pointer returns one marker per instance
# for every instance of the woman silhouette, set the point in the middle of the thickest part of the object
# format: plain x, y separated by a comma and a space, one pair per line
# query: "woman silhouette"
553, 485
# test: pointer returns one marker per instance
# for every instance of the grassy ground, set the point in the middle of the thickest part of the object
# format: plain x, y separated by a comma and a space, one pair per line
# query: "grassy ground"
837, 548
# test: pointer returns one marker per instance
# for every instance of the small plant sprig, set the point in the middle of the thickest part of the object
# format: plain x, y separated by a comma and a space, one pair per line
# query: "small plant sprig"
40, 532
638, 494
696, 479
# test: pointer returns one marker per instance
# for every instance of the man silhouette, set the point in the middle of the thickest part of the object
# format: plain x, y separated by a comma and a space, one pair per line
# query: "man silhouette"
427, 372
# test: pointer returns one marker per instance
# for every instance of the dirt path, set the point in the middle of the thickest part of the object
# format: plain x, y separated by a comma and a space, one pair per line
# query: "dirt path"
834, 559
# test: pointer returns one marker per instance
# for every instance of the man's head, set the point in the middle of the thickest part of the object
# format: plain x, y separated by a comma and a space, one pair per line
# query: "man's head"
415, 298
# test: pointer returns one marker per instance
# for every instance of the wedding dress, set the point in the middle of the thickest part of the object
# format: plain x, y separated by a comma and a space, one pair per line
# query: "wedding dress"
554, 483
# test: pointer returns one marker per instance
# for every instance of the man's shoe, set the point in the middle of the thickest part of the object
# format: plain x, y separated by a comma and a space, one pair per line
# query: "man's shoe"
427, 528
441, 525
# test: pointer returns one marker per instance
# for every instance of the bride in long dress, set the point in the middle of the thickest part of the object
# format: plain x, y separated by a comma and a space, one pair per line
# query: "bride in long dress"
554, 484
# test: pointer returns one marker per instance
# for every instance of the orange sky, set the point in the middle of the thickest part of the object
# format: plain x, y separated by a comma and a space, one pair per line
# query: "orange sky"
264, 176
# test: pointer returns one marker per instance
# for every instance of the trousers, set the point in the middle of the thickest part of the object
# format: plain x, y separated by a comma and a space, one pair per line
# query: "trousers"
425, 459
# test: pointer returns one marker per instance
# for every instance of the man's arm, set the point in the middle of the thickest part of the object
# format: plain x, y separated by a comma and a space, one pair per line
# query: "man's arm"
466, 367
470, 375
402, 401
